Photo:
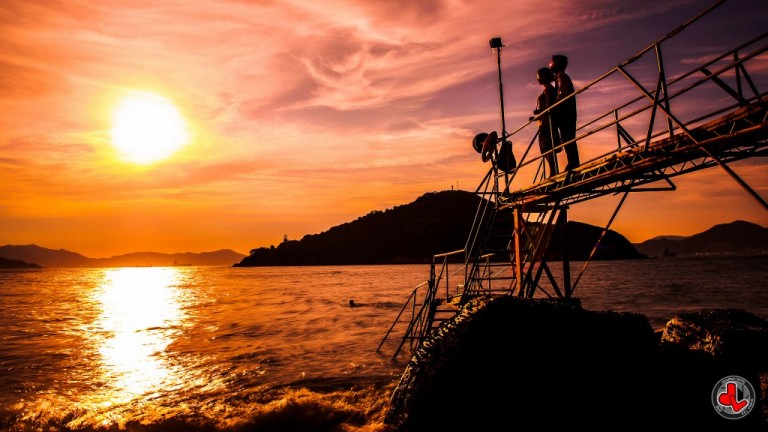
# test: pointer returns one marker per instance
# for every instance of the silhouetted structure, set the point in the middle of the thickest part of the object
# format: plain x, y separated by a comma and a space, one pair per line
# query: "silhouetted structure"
515, 232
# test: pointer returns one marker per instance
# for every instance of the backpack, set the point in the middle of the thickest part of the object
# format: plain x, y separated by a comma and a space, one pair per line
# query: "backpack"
506, 159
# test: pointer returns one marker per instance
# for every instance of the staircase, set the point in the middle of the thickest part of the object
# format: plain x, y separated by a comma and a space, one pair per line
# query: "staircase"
505, 254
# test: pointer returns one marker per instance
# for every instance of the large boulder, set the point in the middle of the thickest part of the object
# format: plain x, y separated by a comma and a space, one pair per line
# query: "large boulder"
521, 364
728, 335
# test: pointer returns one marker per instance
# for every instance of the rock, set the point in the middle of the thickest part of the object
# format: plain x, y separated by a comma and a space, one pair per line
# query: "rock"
726, 334
522, 364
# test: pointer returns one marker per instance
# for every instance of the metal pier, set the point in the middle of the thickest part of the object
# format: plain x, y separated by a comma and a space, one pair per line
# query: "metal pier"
655, 137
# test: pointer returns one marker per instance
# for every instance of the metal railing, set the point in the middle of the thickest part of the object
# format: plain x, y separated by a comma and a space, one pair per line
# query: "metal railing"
435, 278
731, 65
620, 120
422, 307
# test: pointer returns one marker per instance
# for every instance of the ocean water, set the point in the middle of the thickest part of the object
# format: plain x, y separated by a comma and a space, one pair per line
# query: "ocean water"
277, 348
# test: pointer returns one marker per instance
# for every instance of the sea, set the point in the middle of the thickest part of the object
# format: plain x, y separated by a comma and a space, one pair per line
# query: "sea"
267, 348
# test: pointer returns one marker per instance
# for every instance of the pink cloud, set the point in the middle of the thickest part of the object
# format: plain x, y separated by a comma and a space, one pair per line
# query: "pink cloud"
294, 104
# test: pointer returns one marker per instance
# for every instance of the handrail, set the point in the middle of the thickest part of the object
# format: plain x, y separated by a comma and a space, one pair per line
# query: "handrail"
645, 101
419, 320
650, 105
738, 63
435, 281
447, 254
484, 217
411, 298
416, 321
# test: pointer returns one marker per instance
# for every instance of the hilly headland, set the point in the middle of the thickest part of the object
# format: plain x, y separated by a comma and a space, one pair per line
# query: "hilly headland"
413, 233
734, 238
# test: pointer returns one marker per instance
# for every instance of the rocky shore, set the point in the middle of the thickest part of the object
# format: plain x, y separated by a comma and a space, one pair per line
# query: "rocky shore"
519, 364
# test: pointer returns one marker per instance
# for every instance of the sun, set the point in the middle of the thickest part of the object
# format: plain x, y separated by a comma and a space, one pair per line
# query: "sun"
147, 128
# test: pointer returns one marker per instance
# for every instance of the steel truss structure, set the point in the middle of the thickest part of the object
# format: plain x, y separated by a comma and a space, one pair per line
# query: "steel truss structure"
516, 231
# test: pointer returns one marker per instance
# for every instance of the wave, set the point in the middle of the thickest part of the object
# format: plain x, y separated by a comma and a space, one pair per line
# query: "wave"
286, 409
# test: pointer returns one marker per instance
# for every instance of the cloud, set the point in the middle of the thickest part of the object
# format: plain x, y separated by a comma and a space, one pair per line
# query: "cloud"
292, 104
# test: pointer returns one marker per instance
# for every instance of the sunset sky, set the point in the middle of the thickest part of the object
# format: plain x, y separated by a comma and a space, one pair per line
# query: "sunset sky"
303, 115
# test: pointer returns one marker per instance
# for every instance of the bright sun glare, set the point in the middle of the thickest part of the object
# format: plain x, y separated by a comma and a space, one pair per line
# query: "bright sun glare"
140, 313
147, 128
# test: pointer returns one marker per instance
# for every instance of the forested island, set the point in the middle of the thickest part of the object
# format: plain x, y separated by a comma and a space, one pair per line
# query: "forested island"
413, 233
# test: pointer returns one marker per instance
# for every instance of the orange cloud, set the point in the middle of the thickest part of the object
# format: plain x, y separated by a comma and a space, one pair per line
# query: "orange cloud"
303, 115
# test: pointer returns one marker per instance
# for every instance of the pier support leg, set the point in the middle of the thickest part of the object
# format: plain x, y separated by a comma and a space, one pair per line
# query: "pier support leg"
563, 222
518, 252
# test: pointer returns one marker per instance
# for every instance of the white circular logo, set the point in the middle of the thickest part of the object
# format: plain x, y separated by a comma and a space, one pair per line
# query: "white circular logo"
733, 397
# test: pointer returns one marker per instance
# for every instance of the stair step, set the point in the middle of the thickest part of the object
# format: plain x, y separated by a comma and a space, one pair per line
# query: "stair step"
486, 292
493, 278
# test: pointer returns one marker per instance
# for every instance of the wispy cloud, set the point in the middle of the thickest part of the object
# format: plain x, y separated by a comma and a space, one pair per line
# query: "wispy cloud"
292, 105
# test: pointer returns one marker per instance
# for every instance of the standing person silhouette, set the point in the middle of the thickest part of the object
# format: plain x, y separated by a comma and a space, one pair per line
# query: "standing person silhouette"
564, 115
548, 137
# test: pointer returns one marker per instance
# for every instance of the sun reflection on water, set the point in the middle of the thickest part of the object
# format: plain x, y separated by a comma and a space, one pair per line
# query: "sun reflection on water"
141, 313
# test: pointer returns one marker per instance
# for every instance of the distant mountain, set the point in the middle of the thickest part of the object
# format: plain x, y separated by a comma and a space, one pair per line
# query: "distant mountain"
63, 258
668, 237
221, 257
735, 238
43, 256
16, 264
413, 233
